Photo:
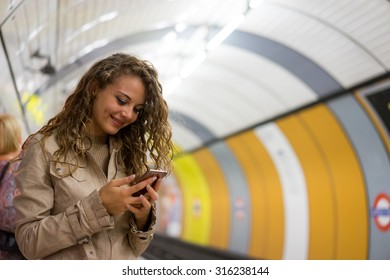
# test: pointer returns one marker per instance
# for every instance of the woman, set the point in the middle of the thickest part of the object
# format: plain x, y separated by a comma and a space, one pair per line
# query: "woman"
75, 201
10, 140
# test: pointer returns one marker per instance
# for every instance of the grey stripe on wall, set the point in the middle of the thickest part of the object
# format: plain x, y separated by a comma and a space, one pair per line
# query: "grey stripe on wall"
197, 128
302, 67
238, 190
374, 161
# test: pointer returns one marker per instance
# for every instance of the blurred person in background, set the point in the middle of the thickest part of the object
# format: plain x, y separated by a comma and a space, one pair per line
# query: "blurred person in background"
77, 173
10, 142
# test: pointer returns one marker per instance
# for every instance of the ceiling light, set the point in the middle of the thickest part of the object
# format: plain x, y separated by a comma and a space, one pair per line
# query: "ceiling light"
255, 3
171, 36
180, 27
225, 32
109, 16
171, 85
192, 64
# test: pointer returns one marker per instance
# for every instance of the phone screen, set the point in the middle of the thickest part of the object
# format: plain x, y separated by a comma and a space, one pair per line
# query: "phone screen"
150, 173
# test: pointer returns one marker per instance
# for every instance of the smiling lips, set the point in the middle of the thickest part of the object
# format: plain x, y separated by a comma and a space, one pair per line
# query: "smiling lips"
117, 122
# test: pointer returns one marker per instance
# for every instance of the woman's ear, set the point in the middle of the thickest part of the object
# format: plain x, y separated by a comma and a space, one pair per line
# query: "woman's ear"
94, 88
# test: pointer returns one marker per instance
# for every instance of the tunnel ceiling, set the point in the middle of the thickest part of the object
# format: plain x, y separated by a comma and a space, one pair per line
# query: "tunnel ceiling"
280, 55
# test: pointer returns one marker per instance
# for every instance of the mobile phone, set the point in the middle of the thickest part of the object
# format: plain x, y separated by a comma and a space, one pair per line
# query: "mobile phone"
149, 173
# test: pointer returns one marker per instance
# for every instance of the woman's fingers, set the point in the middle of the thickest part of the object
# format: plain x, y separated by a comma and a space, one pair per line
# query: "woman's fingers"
141, 185
117, 199
123, 181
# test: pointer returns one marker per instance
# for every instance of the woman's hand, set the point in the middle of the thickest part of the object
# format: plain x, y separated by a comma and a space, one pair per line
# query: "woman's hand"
116, 196
141, 211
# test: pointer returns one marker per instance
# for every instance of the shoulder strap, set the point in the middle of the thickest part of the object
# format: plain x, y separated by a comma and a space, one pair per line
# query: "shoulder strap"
4, 170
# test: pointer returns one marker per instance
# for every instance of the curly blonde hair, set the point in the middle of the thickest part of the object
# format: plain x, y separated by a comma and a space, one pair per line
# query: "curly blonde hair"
149, 138
10, 134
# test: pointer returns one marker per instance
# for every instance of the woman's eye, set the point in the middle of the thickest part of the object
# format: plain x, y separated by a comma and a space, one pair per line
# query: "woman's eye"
121, 101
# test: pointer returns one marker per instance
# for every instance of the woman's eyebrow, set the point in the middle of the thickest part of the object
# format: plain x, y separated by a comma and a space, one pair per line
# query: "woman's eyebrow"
124, 94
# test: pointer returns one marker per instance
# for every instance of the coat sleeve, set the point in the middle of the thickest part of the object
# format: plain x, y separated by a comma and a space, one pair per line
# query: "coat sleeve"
140, 240
38, 232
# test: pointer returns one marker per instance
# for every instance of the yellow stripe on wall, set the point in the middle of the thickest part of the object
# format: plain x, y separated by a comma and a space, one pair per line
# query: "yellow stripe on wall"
266, 196
196, 200
349, 190
319, 189
220, 203
248, 163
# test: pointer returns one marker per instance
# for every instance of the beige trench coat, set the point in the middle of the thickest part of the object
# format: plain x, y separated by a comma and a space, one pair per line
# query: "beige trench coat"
63, 218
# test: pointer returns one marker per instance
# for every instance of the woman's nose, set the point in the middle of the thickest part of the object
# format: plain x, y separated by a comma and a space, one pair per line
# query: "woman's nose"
125, 114
128, 114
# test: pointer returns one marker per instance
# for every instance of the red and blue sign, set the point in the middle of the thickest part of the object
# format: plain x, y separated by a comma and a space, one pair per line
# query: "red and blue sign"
381, 212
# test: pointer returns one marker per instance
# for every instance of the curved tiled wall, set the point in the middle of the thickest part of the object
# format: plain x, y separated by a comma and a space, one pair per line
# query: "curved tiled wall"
301, 187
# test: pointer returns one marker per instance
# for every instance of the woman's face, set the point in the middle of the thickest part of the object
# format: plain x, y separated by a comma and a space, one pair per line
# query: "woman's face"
117, 106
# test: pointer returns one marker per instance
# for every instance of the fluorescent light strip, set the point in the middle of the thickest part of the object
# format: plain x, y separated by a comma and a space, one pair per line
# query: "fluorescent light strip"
225, 32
